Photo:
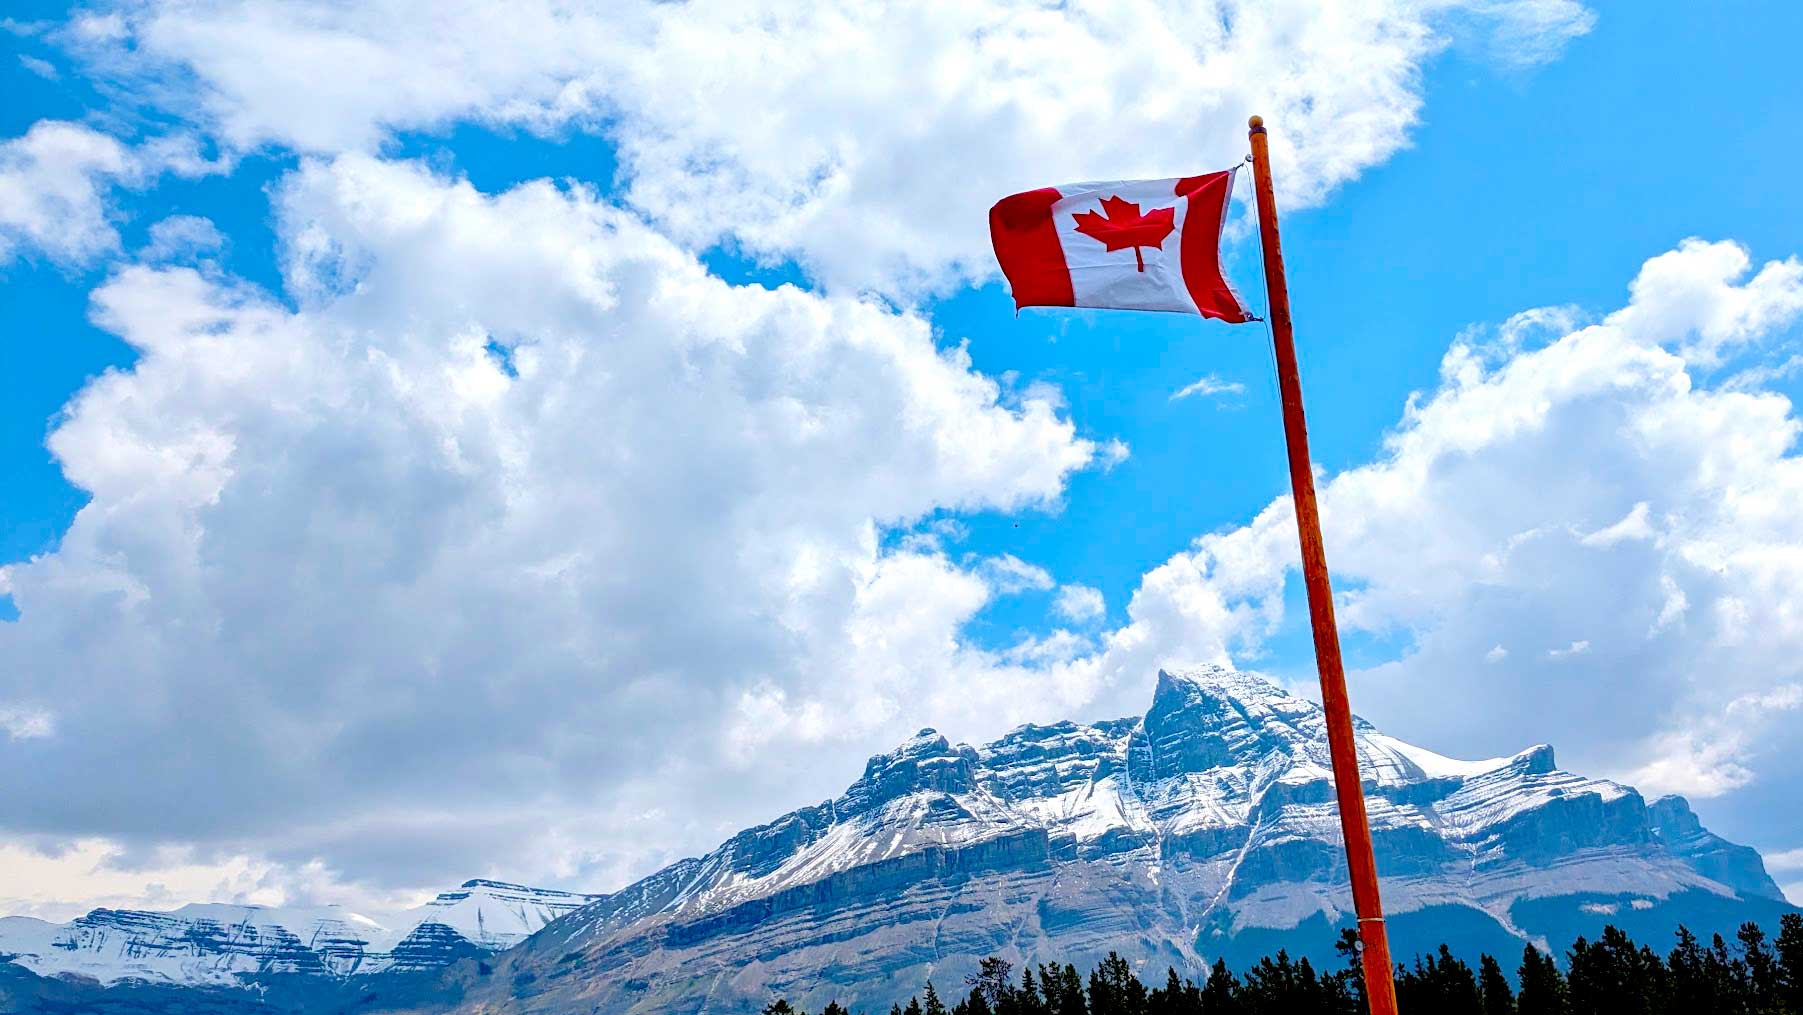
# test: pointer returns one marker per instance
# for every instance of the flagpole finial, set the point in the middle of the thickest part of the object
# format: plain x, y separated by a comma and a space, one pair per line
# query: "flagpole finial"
1256, 124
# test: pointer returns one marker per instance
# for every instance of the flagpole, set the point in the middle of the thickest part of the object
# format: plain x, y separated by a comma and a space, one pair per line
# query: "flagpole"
1380, 986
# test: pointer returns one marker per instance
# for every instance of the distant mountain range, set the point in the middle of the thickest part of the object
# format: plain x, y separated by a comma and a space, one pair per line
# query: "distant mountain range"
229, 945
1205, 828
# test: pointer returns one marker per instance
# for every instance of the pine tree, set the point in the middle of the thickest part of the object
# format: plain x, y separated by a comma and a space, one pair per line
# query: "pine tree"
1073, 992
1790, 962
1690, 986
1168, 999
1221, 994
833, 1008
1762, 970
994, 980
1543, 989
1494, 986
1028, 1001
934, 1006
1281, 985
1612, 976
1351, 950
780, 1006
913, 1006
1727, 976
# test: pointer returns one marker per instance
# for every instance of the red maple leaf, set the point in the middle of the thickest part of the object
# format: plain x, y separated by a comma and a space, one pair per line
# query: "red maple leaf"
1120, 225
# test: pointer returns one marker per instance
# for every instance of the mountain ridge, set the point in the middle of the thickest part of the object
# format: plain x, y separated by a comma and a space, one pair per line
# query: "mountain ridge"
1204, 828
1206, 824
221, 944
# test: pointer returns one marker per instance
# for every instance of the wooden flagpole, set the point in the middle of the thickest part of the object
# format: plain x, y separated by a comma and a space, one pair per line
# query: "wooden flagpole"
1380, 985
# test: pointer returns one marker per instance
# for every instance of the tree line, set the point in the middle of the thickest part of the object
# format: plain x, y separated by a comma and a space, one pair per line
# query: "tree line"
1612, 975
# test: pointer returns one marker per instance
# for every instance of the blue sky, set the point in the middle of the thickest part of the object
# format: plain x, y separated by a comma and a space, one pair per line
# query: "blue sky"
1530, 175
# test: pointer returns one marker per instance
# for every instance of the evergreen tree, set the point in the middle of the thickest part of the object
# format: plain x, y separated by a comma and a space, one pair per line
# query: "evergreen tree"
994, 980
1494, 986
1614, 977
833, 1008
913, 1006
934, 1006
1542, 986
1027, 999
1763, 996
895, 1009
1440, 983
1281, 985
1790, 962
780, 1006
1690, 985
1114, 990
1168, 999
1727, 976
1352, 975
1221, 994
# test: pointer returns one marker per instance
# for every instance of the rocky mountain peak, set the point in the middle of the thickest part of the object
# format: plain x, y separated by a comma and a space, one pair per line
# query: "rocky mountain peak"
1211, 716
924, 763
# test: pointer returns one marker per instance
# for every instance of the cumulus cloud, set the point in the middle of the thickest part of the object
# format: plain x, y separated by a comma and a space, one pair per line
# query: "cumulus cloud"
493, 551
182, 237
1009, 574
827, 133
1661, 563
58, 183
367, 589
54, 182
1079, 603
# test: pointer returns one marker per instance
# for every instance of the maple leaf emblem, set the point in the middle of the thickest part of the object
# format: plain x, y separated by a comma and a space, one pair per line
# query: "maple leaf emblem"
1120, 225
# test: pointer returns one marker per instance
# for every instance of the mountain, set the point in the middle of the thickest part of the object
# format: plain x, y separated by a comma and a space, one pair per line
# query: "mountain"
1205, 828
231, 945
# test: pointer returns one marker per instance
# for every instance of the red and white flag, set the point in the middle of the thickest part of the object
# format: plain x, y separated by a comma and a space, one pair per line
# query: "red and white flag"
1132, 245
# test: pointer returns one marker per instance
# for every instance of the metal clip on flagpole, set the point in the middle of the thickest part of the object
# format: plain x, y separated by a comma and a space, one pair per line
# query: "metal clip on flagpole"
1380, 986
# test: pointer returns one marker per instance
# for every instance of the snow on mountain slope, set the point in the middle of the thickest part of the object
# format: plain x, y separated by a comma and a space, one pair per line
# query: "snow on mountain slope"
496, 915
1204, 828
224, 944
1171, 837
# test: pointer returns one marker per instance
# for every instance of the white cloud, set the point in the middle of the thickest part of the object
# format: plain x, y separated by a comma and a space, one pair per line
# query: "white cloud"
1588, 492
419, 594
1010, 574
1208, 385
1527, 33
26, 723
382, 590
823, 132
42, 68
53, 186
1079, 603
182, 237
58, 182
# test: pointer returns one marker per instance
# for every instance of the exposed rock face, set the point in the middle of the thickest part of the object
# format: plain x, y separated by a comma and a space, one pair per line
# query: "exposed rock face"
1734, 865
232, 945
1206, 827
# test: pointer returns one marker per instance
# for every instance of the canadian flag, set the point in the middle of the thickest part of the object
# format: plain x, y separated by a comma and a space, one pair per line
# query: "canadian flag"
1131, 245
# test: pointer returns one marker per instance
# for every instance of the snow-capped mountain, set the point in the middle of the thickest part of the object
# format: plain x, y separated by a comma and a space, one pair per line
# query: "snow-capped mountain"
1207, 827
231, 945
